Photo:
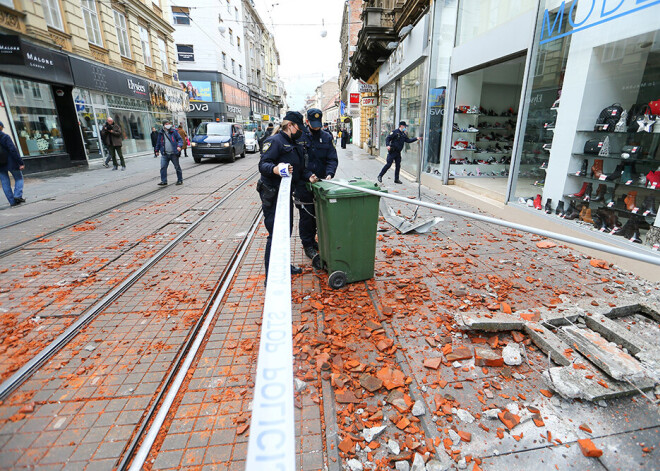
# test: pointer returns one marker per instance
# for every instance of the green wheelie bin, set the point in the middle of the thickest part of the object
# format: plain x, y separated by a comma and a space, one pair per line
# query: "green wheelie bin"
347, 221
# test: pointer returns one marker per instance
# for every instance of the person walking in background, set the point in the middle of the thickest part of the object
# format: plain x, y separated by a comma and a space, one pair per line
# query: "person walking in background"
344, 137
269, 130
111, 137
154, 140
184, 137
260, 135
169, 144
11, 162
395, 142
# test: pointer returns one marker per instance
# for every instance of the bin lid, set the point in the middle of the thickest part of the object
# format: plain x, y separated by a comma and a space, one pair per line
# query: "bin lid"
328, 190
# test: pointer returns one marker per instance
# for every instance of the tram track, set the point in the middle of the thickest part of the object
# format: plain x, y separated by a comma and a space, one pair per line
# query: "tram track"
26, 371
22, 245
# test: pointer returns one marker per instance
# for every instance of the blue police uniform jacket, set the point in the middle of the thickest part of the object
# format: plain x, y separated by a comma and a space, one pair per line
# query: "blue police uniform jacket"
396, 140
321, 153
279, 148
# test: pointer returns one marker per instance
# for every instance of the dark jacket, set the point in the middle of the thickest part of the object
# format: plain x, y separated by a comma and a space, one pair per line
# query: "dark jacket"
321, 153
154, 138
14, 160
173, 137
111, 135
396, 141
277, 149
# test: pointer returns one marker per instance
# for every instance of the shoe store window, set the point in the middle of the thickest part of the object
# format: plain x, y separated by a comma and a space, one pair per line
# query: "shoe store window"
411, 113
594, 120
387, 112
484, 124
34, 117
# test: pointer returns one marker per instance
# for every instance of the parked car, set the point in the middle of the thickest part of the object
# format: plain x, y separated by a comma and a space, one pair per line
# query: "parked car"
251, 143
214, 140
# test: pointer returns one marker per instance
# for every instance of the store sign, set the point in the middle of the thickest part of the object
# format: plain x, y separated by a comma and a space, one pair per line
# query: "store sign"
24, 59
185, 53
233, 109
409, 51
243, 87
369, 101
585, 14
97, 77
354, 99
367, 87
265, 117
198, 107
204, 110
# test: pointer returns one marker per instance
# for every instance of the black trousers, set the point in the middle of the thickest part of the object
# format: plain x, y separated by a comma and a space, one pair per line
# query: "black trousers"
269, 221
392, 159
307, 224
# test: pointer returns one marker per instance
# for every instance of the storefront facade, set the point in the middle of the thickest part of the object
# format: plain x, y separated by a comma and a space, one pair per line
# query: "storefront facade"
37, 108
516, 117
215, 97
136, 104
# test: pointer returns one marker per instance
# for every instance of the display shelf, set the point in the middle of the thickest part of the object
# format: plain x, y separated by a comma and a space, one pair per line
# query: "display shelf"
492, 129
619, 209
612, 157
616, 182
465, 132
633, 133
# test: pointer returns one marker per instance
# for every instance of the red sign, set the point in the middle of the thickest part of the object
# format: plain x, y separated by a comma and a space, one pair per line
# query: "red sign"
354, 98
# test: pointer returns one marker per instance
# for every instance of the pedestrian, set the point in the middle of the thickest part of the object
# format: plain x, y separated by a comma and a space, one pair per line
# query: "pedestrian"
394, 143
184, 137
169, 145
260, 135
334, 136
11, 162
321, 160
111, 137
281, 156
154, 140
326, 128
344, 137
269, 130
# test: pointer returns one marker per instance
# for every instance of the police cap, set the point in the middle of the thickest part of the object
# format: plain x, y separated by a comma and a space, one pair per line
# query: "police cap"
295, 117
315, 117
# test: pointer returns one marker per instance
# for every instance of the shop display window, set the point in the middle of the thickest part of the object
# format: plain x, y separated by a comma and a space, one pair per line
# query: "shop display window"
411, 113
484, 124
387, 111
33, 116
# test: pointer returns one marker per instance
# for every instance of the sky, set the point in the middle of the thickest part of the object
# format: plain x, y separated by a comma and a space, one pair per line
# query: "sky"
306, 58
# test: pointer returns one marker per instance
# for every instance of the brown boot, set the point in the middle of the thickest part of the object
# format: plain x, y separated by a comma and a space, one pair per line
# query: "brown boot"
583, 210
597, 168
631, 200
587, 216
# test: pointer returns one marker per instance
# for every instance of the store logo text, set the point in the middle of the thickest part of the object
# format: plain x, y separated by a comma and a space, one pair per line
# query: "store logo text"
198, 107
136, 87
38, 60
609, 10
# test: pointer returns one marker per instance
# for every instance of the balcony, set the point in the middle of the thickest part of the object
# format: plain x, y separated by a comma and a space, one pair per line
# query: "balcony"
376, 33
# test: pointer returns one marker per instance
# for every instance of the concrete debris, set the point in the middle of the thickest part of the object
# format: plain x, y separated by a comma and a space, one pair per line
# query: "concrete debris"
464, 416
394, 447
354, 465
573, 384
437, 465
418, 463
513, 408
511, 354
549, 342
90, 347
492, 413
454, 437
462, 464
370, 433
418, 409
518, 376
421, 226
299, 384
402, 466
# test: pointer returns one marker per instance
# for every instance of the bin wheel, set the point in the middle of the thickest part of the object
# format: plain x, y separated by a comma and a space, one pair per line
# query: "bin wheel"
337, 279
316, 262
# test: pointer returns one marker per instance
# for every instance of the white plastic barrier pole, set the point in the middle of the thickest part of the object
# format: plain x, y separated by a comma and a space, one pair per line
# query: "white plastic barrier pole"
642, 257
272, 436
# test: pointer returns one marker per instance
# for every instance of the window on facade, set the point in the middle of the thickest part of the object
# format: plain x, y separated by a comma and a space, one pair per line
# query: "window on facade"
238, 43
224, 60
236, 13
122, 34
228, 6
231, 36
162, 49
52, 13
181, 18
240, 70
91, 18
146, 46
233, 66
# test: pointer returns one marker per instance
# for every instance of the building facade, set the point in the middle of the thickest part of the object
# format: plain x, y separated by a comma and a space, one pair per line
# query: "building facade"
349, 109
522, 118
69, 65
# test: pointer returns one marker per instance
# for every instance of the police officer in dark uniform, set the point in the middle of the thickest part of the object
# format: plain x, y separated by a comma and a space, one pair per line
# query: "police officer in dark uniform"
394, 143
280, 151
321, 160
326, 128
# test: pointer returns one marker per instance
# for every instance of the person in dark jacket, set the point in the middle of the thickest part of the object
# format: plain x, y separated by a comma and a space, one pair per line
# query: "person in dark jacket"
281, 155
169, 144
154, 140
321, 160
11, 162
260, 135
112, 138
395, 142
345, 135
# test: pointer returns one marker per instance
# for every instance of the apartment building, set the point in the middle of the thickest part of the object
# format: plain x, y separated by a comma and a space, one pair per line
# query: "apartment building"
67, 65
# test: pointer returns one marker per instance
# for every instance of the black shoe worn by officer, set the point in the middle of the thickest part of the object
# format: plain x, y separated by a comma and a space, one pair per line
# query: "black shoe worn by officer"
395, 142
321, 160
280, 152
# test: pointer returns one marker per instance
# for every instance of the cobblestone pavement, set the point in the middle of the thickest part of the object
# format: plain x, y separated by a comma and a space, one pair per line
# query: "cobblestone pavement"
387, 352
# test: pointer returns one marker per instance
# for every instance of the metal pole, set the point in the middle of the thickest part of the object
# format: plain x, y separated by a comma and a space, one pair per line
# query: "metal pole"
648, 258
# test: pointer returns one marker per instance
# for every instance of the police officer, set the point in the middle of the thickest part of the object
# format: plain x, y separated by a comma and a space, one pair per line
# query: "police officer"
321, 160
394, 143
326, 128
281, 153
